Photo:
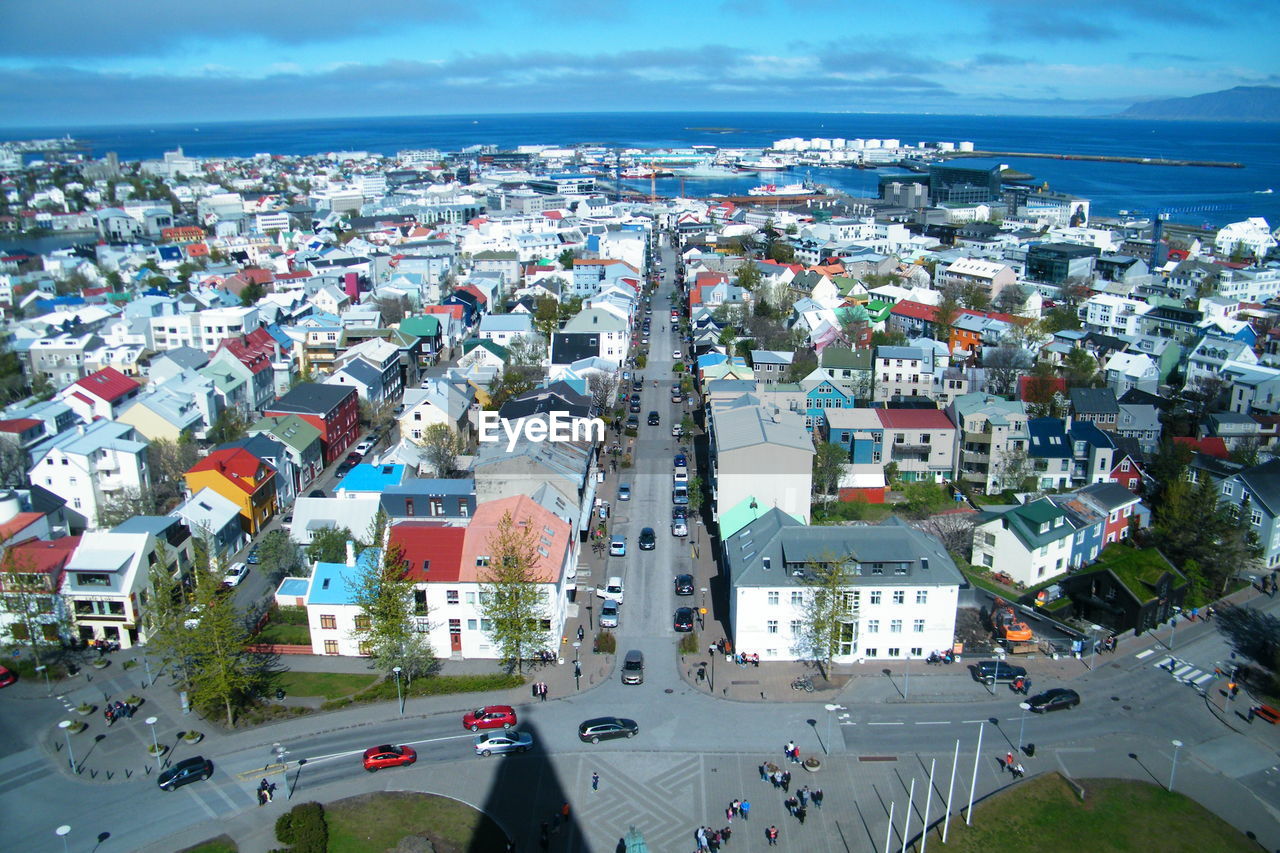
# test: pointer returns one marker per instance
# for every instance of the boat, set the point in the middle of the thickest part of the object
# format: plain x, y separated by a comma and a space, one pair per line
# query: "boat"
707, 169
1267, 191
765, 164
776, 190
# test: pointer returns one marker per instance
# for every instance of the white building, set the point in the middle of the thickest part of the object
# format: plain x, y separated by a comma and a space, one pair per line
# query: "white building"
203, 330
759, 453
88, 466
1030, 543
1253, 235
1112, 315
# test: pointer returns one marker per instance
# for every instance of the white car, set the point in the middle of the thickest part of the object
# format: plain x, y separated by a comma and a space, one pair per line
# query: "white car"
193, 621
609, 614
618, 546
676, 430
612, 590
235, 574
363, 447
677, 355
680, 475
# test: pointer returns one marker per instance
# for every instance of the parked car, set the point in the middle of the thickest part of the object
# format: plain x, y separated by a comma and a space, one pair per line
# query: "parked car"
624, 492
654, 419
7, 676
638, 385
683, 620
500, 742
235, 573
346, 466
677, 430
680, 494
676, 397
677, 355
609, 614
605, 728
681, 461
612, 589
684, 584
378, 757
489, 717
997, 671
634, 407
186, 771
618, 546
679, 527
365, 446
633, 422
317, 493
680, 475
648, 539
1054, 699
252, 557
633, 667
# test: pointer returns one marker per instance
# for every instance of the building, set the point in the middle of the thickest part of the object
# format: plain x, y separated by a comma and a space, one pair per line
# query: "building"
240, 477
963, 185
759, 453
332, 409
36, 569
992, 441
1030, 543
1059, 263
902, 372
100, 395
901, 598
91, 466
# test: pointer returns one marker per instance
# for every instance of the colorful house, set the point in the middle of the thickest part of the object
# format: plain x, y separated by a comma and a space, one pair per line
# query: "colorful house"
239, 476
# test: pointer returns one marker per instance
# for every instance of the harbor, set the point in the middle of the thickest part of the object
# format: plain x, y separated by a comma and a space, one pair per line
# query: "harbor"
1095, 158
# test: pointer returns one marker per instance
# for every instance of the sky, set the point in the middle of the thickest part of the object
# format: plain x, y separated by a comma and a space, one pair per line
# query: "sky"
86, 62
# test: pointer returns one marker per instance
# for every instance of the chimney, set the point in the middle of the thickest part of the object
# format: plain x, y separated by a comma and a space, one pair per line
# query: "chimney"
351, 553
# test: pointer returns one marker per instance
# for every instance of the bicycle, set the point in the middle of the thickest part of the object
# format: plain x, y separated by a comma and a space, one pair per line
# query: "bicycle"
804, 683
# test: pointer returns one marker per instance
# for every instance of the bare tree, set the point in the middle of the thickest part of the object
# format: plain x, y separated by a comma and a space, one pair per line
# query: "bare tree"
442, 446
13, 464
603, 388
953, 529
393, 309
527, 350
1003, 366
1013, 469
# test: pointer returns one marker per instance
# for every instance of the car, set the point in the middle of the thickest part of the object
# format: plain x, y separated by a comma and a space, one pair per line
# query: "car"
364, 447
235, 573
679, 527
633, 667
681, 461
193, 619
997, 671
638, 385
677, 431
680, 494
683, 620
378, 757
7, 676
612, 590
624, 492
679, 513
490, 717
635, 398
680, 475
317, 493
355, 457
344, 468
676, 398
633, 422
618, 546
252, 557
654, 419
648, 311
287, 521
648, 539
644, 340
684, 584
1054, 699
634, 407
677, 355
609, 614
606, 728
496, 742
186, 771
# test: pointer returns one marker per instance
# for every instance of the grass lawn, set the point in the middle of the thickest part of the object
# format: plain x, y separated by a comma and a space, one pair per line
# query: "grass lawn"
280, 633
1115, 816
221, 844
330, 685
378, 821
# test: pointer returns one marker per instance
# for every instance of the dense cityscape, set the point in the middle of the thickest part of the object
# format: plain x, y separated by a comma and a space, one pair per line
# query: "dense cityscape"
306, 457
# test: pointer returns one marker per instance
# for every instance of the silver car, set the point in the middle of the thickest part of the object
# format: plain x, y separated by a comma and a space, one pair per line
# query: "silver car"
500, 742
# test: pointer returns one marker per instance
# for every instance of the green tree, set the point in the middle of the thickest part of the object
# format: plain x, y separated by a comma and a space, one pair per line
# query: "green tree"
783, 253
949, 307
514, 382
442, 446
826, 620
31, 605
251, 293
169, 461
803, 363
329, 545
230, 425
1168, 465
566, 258
225, 672
383, 591
1080, 368
546, 316
830, 461
748, 275
1191, 523
695, 495
169, 606
1252, 633
510, 597
527, 351
279, 555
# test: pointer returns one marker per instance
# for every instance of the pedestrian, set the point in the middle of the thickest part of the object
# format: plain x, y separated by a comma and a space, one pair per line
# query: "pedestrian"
817, 797
581, 634
801, 813
1008, 761
736, 806
786, 781
700, 837
713, 840
776, 778
595, 781
803, 795
1235, 688
786, 750
728, 812
1019, 771
764, 773
772, 834
1208, 614
725, 833
564, 811
745, 809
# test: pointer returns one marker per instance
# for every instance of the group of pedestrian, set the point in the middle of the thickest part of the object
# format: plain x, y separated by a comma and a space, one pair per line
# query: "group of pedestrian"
116, 710
710, 840
1021, 684
738, 808
1110, 643
792, 752
266, 792
779, 778
1015, 768
752, 659
540, 691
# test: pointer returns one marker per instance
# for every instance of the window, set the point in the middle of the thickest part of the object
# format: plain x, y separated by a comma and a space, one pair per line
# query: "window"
362, 623
797, 599
773, 598
917, 626
895, 626
1228, 489
772, 626
451, 596
899, 596
917, 652
471, 598
875, 596
330, 647
871, 653
873, 626
329, 622
893, 652
922, 596
796, 627
1255, 518
1124, 466
482, 562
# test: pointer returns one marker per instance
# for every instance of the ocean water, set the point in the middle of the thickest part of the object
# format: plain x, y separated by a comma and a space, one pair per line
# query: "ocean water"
1195, 195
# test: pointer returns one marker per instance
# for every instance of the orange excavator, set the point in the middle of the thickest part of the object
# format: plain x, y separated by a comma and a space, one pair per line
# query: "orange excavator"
1007, 625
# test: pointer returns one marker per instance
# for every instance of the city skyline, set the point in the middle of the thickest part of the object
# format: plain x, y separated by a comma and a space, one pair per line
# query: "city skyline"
147, 62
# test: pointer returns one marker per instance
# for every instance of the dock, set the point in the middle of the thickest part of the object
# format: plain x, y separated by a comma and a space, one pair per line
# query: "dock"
1095, 158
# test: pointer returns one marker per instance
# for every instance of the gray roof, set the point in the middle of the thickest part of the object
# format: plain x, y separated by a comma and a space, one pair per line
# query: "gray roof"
1108, 496
1264, 482
745, 423
311, 398
1094, 400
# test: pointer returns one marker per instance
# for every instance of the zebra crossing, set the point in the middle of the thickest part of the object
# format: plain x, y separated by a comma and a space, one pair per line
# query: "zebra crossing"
1183, 671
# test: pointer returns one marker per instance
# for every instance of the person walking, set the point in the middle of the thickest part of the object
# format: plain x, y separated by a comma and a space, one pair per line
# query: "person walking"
816, 795
787, 750
764, 773
725, 833
595, 781
803, 795
745, 809
772, 834
1008, 761
801, 814
786, 781
1019, 771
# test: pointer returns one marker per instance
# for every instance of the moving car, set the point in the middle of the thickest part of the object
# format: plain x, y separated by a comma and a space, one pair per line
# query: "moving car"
609, 614
654, 419
618, 546
612, 589
252, 557
605, 728
683, 620
637, 385
624, 492
997, 671
186, 771
684, 584
633, 667
648, 539
235, 573
7, 676
489, 717
378, 757
1054, 699
503, 742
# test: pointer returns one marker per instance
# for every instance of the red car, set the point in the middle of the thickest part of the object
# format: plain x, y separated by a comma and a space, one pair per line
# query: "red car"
490, 717
378, 757
7, 676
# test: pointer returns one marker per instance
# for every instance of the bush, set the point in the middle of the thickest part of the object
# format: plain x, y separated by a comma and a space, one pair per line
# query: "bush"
303, 828
630, 432
606, 643
641, 361
689, 643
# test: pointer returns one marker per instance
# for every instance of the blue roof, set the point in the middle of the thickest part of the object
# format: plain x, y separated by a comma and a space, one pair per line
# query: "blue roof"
332, 583
1048, 439
295, 587
372, 478
1089, 431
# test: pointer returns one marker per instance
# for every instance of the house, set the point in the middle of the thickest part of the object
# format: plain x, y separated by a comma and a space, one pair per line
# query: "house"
430, 499
1030, 543
185, 402
988, 277
1112, 315
90, 466
215, 520
1121, 508
301, 445
920, 442
611, 330
762, 453
504, 328
770, 366
331, 409
1255, 492
1127, 589
901, 599
484, 354
312, 515
902, 372
100, 395
1097, 406
240, 477
37, 569
1208, 358
562, 468
991, 441
1140, 421
1125, 371
253, 359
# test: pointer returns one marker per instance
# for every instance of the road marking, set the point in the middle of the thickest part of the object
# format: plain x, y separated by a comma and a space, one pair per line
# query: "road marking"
887, 724
1164, 664
1202, 679
1142, 655
1184, 670
406, 743
935, 723
202, 803
975, 721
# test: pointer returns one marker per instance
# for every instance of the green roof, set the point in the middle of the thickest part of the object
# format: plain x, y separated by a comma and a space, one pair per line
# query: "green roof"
427, 326
844, 283
493, 255
290, 430
497, 349
843, 358
1138, 569
878, 309
740, 515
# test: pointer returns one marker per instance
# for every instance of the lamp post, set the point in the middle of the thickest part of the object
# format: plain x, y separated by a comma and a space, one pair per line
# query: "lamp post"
1173, 624
906, 676
45, 670
832, 710
155, 744
577, 666
1093, 643
65, 725
62, 832
399, 694
146, 666
1177, 744
703, 608
1022, 724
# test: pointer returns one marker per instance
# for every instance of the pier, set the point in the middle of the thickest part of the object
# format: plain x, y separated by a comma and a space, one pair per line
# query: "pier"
1095, 158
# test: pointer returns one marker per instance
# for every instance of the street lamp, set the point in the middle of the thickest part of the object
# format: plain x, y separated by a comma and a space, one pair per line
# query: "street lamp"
1177, 744
703, 608
832, 710
906, 676
65, 725
155, 744
577, 666
1093, 643
62, 832
399, 694
1025, 706
45, 670
973, 783
1173, 623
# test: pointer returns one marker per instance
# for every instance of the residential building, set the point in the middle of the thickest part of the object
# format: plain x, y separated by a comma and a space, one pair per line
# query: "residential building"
240, 477
992, 441
331, 409
1030, 543
1112, 315
100, 395
1125, 371
902, 372
39, 568
90, 466
759, 453
1097, 406
1255, 494
214, 519
186, 402
302, 446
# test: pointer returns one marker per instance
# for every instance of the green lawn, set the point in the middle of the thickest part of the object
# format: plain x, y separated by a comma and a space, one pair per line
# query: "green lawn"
329, 685
1115, 816
281, 633
221, 844
379, 821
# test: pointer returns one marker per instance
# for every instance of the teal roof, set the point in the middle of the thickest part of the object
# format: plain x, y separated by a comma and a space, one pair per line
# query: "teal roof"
424, 327
742, 514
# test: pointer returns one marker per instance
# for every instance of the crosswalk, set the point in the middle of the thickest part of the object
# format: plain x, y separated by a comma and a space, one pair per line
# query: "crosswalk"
1183, 671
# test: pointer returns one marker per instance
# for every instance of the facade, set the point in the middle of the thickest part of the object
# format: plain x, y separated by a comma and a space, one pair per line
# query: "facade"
332, 409
91, 465
759, 453
1030, 543
902, 372
991, 440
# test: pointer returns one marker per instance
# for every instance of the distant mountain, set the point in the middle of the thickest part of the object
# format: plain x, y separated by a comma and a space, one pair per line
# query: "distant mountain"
1243, 103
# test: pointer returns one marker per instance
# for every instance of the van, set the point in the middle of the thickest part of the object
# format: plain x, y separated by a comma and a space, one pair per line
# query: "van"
633, 667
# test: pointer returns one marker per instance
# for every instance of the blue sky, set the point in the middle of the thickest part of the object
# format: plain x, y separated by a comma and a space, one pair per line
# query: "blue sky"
78, 62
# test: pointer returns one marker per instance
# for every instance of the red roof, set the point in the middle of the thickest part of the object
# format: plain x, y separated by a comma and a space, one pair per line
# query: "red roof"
916, 310
108, 384
914, 419
553, 214
18, 425
293, 276
1059, 385
254, 350
433, 544
46, 556
1212, 446
235, 463
83, 398
454, 311
476, 292
17, 524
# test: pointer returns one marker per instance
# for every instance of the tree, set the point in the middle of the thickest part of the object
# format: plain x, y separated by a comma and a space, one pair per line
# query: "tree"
1041, 391
442, 447
381, 588
225, 673
1013, 469
546, 316
949, 307
510, 597
922, 498
13, 464
783, 253
514, 382
603, 388
527, 351
279, 555
1003, 366
118, 507
1252, 633
953, 529
228, 426
168, 608
1080, 368
830, 461
169, 460
392, 309
329, 545
695, 495
803, 363
1168, 465
1192, 523
34, 615
1247, 452
566, 259
826, 621
251, 293
748, 275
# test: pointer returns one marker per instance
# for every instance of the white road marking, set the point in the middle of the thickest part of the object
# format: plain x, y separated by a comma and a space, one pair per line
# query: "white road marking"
1184, 670
935, 723
1202, 679
887, 724
201, 801
406, 743
1148, 652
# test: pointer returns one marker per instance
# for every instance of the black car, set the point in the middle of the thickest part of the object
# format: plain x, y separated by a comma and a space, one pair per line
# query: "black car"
648, 539
633, 422
993, 671
637, 385
634, 407
1054, 699
604, 728
635, 398
186, 771
654, 420
683, 620
679, 513
344, 468
317, 493
684, 584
